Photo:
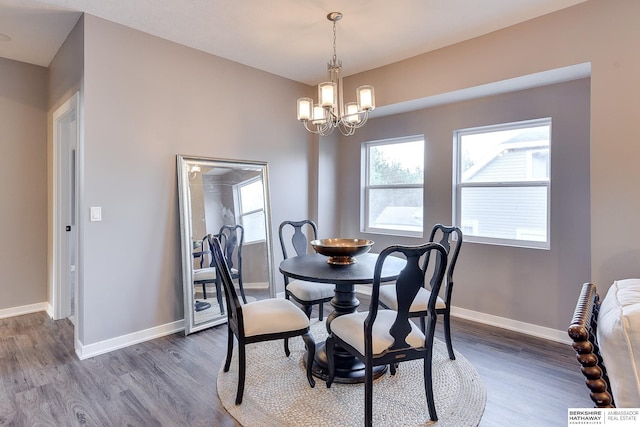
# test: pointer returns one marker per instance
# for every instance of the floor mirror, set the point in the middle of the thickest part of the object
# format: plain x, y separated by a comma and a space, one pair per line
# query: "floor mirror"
228, 199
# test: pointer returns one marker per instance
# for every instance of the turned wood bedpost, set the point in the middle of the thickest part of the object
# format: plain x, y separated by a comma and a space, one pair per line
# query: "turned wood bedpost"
583, 332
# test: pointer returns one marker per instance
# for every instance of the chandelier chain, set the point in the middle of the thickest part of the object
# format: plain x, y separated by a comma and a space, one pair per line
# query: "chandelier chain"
335, 58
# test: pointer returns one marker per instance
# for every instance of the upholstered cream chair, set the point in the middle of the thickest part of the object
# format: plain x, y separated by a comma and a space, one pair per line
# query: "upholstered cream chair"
451, 238
262, 320
386, 337
304, 293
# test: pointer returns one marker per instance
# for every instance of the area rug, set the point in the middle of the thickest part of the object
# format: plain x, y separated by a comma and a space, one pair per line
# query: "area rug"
277, 392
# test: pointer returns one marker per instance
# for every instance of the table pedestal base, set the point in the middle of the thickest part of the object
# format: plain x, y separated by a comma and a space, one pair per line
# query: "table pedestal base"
314, 268
349, 370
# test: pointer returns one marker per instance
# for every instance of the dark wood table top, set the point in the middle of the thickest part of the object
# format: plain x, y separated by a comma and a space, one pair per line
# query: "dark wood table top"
314, 268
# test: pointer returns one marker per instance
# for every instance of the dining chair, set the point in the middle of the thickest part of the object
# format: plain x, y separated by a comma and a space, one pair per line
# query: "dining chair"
451, 238
258, 321
206, 274
305, 293
232, 239
386, 337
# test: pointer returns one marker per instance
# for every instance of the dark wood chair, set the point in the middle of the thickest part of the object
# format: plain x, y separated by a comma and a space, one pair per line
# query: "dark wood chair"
451, 238
258, 321
583, 332
231, 239
305, 293
386, 337
206, 274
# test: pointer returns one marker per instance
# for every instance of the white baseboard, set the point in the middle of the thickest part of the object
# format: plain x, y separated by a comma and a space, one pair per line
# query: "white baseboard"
246, 285
256, 285
91, 350
512, 325
24, 309
500, 322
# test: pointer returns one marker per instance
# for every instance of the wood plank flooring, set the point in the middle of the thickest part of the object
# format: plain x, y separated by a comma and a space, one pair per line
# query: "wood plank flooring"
171, 381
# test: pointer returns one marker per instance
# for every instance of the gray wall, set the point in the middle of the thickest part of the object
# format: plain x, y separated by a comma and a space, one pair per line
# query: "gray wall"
146, 100
514, 283
602, 32
23, 184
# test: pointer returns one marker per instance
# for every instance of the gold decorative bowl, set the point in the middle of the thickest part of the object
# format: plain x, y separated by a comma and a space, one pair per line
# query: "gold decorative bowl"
342, 251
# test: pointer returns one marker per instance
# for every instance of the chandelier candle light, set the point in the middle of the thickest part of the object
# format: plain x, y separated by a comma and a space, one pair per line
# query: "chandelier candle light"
330, 112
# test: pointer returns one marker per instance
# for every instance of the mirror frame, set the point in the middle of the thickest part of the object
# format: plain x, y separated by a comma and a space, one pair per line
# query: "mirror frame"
186, 238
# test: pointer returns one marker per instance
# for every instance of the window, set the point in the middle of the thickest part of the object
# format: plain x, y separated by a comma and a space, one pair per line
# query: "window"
393, 181
249, 197
502, 183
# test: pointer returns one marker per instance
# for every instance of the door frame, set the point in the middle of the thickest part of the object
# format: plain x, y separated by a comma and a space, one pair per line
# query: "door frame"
62, 259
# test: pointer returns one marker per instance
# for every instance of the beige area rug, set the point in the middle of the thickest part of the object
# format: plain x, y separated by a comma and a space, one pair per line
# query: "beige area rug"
277, 392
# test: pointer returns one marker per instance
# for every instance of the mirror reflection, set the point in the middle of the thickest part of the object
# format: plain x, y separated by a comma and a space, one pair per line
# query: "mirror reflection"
227, 199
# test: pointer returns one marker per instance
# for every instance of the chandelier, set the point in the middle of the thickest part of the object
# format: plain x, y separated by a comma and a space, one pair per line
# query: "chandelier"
331, 112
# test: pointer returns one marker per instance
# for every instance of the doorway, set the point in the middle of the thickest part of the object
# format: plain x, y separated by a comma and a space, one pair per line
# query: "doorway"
66, 134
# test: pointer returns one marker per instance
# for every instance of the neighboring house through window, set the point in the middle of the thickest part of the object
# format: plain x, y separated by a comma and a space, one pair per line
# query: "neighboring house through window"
502, 183
393, 182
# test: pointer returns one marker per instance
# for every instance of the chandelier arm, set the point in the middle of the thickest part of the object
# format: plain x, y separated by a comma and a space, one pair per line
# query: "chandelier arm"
362, 119
346, 130
306, 126
325, 128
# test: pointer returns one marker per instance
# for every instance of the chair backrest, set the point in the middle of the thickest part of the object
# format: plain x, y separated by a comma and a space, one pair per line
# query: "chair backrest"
303, 232
231, 239
204, 252
583, 332
451, 238
409, 281
234, 308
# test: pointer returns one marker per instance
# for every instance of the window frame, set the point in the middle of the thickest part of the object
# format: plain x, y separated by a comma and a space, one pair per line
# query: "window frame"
366, 187
458, 185
241, 214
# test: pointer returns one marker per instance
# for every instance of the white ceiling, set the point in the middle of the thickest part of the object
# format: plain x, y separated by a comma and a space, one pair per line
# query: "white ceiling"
290, 38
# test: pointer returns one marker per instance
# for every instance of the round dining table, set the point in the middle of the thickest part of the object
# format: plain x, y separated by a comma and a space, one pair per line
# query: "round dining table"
315, 268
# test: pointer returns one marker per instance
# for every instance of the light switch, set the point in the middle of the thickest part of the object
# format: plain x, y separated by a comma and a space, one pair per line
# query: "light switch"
96, 213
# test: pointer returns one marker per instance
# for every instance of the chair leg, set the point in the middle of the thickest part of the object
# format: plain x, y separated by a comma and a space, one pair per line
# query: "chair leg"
428, 386
311, 353
307, 310
204, 290
330, 348
320, 310
244, 298
447, 334
286, 347
219, 295
242, 364
227, 363
422, 324
368, 395
428, 371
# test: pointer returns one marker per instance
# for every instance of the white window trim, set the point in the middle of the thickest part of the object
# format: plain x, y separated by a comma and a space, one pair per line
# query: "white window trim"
458, 185
365, 187
237, 201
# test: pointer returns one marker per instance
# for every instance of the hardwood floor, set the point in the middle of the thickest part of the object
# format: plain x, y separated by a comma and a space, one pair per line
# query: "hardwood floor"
171, 381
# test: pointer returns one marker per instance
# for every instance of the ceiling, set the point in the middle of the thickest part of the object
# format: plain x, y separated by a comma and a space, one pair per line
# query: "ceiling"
290, 38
